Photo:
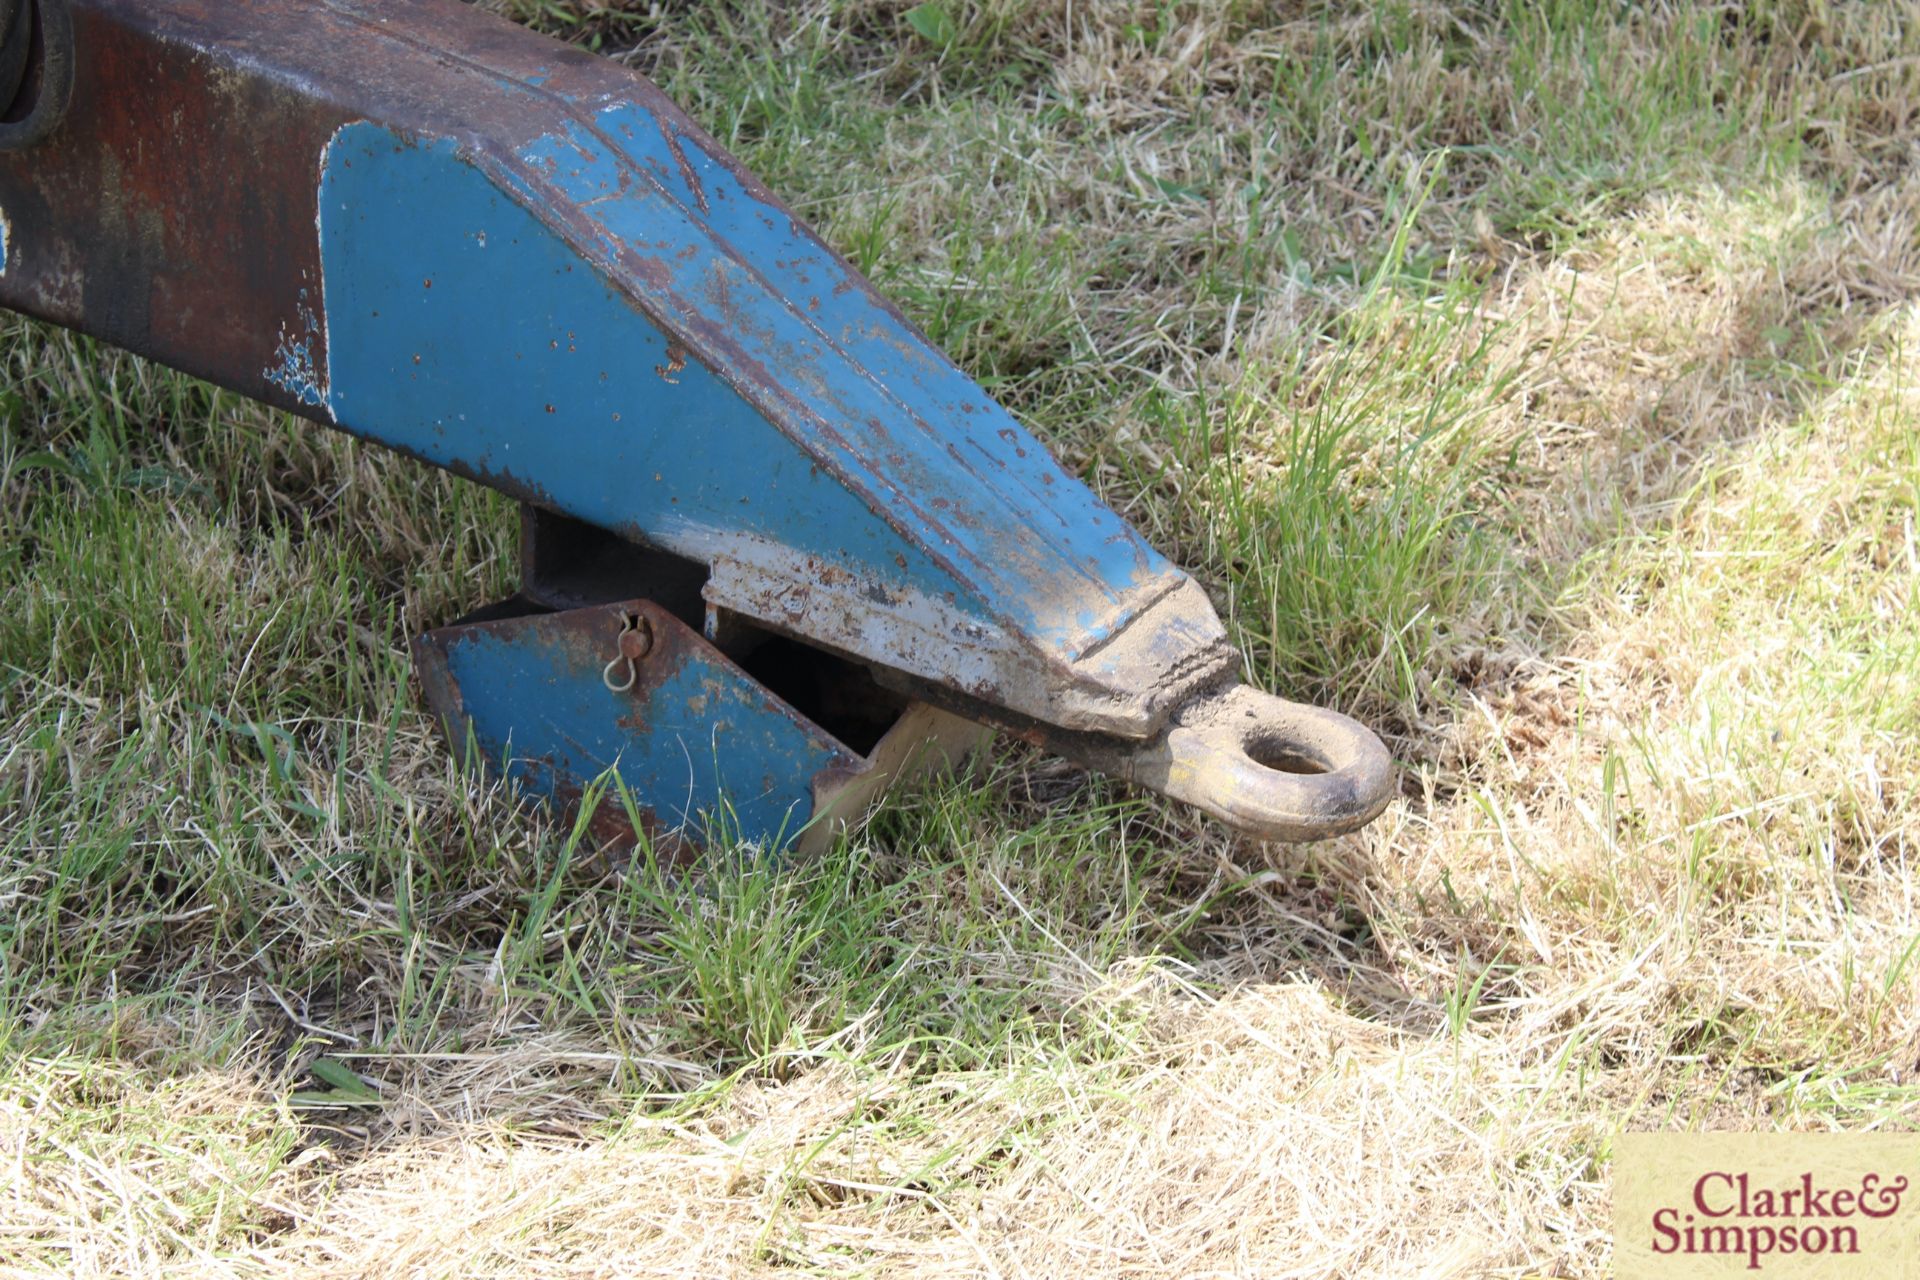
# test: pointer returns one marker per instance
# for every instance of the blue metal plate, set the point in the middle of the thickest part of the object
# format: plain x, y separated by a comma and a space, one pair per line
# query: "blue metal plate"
700, 744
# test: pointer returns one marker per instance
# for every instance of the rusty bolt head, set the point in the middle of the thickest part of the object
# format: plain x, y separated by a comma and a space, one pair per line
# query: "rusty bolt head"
636, 642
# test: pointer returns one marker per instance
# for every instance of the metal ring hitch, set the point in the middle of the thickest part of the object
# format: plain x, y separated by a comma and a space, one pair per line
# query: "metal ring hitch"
1276, 769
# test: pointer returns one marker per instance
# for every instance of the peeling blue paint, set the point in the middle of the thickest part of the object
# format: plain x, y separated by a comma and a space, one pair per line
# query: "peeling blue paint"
294, 369
3, 241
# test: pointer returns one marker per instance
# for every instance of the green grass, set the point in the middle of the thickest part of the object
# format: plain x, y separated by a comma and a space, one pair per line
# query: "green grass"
1535, 382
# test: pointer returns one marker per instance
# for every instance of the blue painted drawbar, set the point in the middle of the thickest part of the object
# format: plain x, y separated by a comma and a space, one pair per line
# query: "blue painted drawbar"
427, 227
688, 366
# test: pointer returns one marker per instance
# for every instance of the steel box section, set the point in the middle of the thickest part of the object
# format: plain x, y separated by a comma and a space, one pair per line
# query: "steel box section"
701, 746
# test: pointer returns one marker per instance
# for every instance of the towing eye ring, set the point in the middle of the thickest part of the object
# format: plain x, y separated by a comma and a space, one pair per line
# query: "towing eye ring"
36, 50
1279, 770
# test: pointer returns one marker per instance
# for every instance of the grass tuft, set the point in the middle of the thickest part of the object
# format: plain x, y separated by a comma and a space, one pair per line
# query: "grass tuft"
1535, 381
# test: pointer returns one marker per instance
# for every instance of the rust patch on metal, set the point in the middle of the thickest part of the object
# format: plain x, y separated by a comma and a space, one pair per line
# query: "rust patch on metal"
676, 362
187, 192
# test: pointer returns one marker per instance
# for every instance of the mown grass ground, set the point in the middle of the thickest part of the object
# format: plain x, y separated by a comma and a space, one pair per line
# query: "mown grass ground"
1536, 382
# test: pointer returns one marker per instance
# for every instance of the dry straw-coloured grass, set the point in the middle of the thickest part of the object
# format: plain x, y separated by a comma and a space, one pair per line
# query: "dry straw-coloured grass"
1537, 382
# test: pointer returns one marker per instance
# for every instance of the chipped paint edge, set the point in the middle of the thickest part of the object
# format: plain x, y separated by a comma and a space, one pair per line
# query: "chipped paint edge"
294, 368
